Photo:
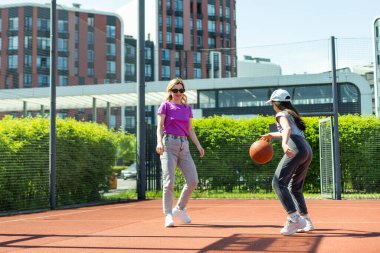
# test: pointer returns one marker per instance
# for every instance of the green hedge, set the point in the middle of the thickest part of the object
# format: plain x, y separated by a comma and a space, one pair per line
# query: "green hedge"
227, 165
85, 155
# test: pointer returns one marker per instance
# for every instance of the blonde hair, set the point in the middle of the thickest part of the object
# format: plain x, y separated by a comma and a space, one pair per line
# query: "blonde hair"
170, 86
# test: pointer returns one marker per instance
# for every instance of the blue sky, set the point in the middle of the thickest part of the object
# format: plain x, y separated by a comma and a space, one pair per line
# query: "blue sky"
263, 22
273, 22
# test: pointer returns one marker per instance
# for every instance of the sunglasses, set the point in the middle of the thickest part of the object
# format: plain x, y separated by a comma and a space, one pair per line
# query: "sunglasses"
177, 90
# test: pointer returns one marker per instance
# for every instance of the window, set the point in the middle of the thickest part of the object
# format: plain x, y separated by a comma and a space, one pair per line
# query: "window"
130, 51
177, 71
199, 24
228, 29
90, 21
28, 42
243, 97
111, 49
207, 99
63, 80
191, 24
211, 42
76, 54
43, 80
43, 43
197, 73
148, 70
62, 63
168, 21
178, 22
148, 53
28, 24
111, 67
12, 61
130, 69
27, 80
169, 37
43, 61
90, 71
211, 26
160, 22
312, 95
178, 5
165, 54
165, 71
13, 24
111, 31
168, 4
90, 38
28, 60
63, 26
199, 41
13, 43
43, 24
211, 10
228, 12
228, 60
76, 36
90, 56
197, 57
63, 45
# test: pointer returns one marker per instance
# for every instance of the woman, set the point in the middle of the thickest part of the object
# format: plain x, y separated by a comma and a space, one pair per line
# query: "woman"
291, 172
174, 128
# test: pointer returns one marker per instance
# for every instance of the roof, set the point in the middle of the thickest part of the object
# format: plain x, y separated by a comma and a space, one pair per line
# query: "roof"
81, 96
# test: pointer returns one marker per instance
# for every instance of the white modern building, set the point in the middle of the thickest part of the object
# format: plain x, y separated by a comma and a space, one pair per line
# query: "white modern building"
257, 67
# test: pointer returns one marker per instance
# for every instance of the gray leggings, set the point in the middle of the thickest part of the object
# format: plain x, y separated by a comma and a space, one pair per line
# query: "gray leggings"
177, 153
290, 175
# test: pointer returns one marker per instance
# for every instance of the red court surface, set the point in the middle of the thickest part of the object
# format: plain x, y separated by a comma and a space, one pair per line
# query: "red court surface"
218, 226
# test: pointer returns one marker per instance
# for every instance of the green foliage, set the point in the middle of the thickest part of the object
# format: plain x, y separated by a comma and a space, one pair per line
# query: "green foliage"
228, 167
126, 148
85, 155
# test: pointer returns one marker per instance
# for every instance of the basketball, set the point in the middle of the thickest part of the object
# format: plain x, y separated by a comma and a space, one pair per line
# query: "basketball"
261, 151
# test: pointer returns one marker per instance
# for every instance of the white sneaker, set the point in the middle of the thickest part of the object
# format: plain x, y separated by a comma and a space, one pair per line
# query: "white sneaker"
169, 221
181, 215
309, 226
291, 226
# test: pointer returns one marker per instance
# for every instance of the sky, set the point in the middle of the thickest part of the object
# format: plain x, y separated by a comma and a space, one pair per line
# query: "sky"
269, 28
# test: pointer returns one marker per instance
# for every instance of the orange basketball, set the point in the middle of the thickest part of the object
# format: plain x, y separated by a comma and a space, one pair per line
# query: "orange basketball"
261, 151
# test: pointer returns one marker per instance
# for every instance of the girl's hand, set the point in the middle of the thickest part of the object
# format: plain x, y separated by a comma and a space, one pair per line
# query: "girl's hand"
266, 137
288, 151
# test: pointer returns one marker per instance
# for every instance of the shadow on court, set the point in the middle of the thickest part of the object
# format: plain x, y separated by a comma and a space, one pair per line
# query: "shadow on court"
219, 226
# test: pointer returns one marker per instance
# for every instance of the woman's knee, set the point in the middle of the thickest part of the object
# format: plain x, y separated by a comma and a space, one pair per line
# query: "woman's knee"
192, 183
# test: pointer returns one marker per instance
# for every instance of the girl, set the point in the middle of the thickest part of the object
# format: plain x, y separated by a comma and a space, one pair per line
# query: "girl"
291, 172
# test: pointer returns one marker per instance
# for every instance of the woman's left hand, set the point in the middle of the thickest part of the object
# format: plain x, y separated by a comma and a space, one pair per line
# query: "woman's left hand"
201, 150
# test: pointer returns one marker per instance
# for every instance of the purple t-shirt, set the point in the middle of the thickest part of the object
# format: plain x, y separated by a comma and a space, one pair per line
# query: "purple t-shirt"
177, 118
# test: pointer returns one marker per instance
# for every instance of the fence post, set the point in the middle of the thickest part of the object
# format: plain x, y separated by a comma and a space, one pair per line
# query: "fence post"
336, 152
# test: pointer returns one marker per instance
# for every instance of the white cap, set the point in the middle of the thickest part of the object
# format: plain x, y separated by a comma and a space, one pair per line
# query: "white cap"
279, 95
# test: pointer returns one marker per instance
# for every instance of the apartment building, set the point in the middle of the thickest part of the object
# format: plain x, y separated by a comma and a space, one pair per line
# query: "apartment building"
193, 39
89, 46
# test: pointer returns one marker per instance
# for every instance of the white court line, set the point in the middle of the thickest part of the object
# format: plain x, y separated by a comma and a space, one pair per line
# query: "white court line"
64, 214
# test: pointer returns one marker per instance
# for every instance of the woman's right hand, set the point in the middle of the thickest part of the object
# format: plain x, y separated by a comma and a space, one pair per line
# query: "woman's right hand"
160, 148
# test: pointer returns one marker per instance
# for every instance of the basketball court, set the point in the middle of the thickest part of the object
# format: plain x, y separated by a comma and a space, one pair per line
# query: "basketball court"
218, 226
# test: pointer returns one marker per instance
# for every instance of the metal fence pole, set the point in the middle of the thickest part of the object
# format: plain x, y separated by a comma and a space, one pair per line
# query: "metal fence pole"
53, 67
337, 171
141, 129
